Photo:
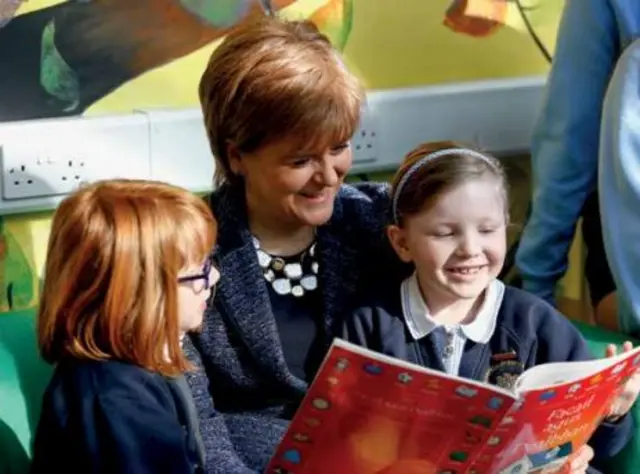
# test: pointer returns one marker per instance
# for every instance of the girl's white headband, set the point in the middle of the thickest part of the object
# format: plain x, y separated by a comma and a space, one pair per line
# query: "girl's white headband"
425, 159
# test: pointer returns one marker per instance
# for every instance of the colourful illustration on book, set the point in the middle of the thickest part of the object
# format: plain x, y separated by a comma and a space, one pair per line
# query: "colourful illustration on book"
17, 287
370, 414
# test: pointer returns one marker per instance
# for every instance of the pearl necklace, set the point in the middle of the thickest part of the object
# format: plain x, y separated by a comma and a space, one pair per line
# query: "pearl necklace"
295, 275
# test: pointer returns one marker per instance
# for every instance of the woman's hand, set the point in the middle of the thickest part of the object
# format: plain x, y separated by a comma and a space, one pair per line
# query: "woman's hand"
623, 403
580, 463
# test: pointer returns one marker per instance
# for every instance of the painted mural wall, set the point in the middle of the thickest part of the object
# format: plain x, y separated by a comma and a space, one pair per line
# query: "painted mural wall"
78, 57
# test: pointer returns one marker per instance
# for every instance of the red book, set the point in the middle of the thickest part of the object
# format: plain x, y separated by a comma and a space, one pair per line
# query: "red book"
367, 413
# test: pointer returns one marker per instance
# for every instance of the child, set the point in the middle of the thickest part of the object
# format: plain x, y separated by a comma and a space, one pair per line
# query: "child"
127, 274
450, 212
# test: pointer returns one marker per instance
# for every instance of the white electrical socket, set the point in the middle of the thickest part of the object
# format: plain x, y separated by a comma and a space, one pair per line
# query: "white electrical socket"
30, 171
365, 142
44, 160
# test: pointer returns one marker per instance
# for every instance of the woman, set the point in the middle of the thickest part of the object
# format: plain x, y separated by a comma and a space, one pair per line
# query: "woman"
295, 245
128, 273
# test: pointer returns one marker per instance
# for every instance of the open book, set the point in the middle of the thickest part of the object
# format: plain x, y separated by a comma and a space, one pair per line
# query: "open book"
367, 413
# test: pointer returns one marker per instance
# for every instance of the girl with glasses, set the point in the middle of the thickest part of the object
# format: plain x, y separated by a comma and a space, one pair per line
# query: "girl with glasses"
128, 273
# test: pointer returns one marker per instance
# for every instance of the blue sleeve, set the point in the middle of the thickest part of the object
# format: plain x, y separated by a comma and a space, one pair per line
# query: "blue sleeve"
358, 329
560, 341
619, 183
221, 457
611, 438
565, 142
374, 328
137, 431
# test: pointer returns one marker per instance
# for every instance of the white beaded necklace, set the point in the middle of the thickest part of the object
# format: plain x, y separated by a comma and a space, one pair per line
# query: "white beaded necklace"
289, 277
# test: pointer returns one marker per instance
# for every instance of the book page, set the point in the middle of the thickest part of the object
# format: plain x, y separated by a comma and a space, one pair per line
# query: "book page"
366, 413
550, 375
550, 423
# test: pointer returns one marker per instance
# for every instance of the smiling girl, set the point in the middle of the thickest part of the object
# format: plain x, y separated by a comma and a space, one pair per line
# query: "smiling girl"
450, 215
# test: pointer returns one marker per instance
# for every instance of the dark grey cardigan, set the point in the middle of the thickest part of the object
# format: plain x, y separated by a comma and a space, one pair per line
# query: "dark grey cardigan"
241, 367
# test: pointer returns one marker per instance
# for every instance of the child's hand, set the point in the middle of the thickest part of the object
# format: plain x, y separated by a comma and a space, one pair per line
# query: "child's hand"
629, 394
580, 463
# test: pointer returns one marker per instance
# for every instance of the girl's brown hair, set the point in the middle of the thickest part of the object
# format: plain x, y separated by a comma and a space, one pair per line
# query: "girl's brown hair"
272, 79
111, 275
436, 167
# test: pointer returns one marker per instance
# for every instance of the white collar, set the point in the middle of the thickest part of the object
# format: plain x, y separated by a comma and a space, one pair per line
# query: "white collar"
419, 321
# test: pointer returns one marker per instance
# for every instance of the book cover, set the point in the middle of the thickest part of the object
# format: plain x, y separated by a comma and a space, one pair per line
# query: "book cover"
546, 426
367, 413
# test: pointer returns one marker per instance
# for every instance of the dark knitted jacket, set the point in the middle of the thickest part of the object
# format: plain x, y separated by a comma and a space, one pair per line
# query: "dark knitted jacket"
242, 387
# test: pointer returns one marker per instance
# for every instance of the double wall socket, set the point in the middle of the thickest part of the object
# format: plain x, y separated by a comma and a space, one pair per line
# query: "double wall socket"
30, 172
44, 160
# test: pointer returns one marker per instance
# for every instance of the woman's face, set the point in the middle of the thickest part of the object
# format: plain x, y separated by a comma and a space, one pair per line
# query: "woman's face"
292, 185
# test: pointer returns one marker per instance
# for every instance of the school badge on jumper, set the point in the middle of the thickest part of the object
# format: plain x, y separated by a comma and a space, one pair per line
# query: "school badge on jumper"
504, 370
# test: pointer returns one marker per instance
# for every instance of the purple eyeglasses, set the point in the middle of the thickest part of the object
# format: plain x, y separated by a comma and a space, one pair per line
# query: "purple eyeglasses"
203, 280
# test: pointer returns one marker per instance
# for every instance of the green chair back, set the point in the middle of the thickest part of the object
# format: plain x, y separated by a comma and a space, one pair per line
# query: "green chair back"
628, 460
23, 379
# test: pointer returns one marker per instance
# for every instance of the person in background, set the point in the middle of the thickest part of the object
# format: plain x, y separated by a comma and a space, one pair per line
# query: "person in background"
450, 213
295, 244
619, 183
127, 275
591, 38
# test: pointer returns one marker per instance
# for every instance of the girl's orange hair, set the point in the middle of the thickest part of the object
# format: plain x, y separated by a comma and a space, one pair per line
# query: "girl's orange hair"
110, 284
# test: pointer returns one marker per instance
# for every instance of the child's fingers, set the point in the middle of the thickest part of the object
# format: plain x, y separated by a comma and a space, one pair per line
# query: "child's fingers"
580, 463
612, 350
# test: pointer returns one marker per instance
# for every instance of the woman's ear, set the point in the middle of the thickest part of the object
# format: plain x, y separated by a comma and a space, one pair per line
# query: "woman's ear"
398, 238
235, 161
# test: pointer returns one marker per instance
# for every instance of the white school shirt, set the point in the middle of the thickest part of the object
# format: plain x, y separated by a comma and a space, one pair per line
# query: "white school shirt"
420, 323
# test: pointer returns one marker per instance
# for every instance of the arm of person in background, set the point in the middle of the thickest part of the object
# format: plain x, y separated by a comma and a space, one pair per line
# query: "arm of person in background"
619, 183
565, 143
221, 457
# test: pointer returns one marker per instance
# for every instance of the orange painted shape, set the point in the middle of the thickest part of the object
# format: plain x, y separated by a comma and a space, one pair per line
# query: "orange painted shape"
477, 18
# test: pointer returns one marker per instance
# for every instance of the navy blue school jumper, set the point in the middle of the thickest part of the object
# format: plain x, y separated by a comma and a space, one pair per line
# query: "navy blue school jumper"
525, 324
107, 417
